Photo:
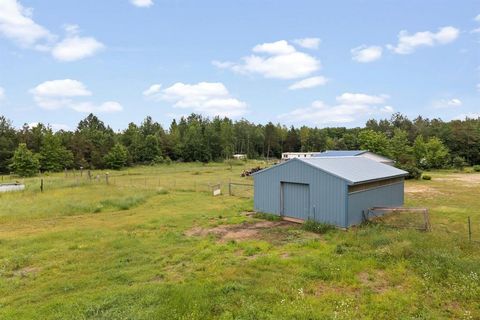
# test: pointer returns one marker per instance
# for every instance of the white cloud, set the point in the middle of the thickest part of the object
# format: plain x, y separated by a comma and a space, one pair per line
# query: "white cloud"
361, 98
308, 43
346, 111
478, 87
142, 3
153, 90
2, 93
210, 98
476, 30
274, 48
57, 94
16, 23
75, 48
408, 43
61, 88
387, 109
447, 103
223, 64
279, 60
89, 107
366, 54
309, 83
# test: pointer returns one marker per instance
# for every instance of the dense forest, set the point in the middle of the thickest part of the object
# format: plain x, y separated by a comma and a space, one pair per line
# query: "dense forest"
420, 143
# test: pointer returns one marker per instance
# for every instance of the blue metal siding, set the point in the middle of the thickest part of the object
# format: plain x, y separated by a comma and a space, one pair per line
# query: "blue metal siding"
296, 200
327, 192
383, 196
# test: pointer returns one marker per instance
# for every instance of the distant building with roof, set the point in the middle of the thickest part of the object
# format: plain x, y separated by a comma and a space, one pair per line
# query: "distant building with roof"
334, 189
355, 153
292, 155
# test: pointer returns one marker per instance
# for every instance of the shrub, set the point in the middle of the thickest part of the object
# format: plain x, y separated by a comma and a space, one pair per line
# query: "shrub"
413, 171
317, 227
459, 163
426, 177
476, 168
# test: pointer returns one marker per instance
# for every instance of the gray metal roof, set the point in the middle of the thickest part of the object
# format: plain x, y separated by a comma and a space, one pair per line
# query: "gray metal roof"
355, 169
352, 169
340, 153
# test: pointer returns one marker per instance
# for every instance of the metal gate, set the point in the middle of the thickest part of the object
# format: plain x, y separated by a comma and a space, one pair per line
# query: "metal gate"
295, 200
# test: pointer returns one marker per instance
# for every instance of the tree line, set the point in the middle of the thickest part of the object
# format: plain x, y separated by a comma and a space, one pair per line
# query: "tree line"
420, 143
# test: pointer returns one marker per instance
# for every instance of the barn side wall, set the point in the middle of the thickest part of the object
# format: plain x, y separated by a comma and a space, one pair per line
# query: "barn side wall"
385, 196
327, 193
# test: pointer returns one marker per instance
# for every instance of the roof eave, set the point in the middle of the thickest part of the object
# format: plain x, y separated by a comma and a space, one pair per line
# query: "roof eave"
378, 179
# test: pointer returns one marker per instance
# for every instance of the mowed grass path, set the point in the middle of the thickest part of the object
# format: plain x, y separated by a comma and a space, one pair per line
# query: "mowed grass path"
136, 250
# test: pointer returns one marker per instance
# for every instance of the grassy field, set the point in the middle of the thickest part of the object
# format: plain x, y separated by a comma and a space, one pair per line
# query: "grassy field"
154, 244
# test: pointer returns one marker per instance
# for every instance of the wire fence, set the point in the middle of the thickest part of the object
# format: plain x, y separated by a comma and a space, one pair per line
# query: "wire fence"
412, 218
194, 183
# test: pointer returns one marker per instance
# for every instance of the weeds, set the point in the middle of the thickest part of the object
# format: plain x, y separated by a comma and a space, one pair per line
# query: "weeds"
267, 216
317, 227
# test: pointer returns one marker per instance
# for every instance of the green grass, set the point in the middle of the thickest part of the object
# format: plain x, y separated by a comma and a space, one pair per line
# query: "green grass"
87, 250
317, 227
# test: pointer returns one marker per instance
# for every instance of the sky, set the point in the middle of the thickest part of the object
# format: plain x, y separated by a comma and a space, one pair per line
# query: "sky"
302, 62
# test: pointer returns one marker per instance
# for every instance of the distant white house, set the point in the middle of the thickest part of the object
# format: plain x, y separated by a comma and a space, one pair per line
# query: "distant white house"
240, 156
356, 153
292, 155
338, 153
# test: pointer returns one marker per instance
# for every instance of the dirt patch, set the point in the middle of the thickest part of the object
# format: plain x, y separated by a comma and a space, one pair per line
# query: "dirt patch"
25, 272
377, 282
326, 288
416, 189
241, 231
467, 179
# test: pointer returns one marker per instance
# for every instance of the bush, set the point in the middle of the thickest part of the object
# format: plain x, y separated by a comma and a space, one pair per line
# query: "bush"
413, 171
476, 168
459, 163
426, 177
317, 227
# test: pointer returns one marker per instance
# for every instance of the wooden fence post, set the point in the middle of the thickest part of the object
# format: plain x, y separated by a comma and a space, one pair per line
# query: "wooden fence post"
106, 177
469, 230
41, 185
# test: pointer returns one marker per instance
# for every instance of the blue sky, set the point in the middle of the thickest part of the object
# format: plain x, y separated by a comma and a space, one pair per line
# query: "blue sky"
299, 62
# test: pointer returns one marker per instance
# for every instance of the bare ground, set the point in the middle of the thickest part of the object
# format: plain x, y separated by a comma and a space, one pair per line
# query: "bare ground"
471, 179
423, 189
243, 231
